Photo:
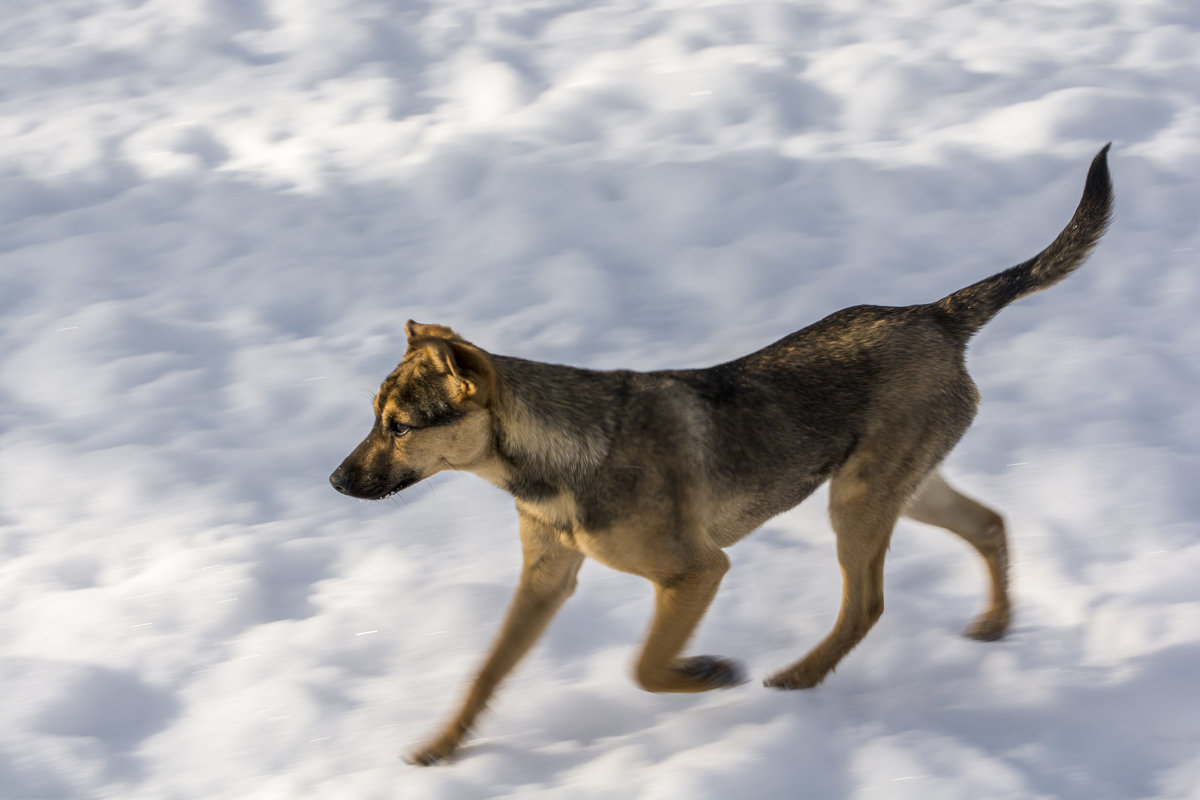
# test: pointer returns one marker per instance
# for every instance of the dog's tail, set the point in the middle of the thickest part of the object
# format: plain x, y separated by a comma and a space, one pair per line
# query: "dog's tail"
969, 309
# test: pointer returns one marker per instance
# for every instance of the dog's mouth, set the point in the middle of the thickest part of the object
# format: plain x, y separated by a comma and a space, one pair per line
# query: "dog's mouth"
405, 482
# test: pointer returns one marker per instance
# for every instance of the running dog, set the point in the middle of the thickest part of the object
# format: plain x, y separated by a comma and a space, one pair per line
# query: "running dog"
655, 473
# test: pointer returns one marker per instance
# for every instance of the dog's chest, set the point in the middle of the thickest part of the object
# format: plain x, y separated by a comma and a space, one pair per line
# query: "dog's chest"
558, 512
561, 515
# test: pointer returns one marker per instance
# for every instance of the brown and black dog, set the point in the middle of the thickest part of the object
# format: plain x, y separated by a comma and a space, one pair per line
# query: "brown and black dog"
655, 473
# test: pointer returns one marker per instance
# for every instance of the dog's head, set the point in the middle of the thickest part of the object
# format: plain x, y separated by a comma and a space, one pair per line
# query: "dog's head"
431, 414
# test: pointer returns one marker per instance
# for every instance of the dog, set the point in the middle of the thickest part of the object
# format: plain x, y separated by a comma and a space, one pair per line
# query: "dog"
656, 473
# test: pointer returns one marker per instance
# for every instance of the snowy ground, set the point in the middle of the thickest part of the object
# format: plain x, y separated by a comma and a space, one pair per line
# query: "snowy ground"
215, 216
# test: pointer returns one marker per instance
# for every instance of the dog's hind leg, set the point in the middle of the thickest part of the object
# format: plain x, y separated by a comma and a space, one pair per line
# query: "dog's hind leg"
547, 580
680, 601
863, 512
937, 503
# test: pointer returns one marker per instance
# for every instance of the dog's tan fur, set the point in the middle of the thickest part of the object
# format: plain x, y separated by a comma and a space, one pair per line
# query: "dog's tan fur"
655, 473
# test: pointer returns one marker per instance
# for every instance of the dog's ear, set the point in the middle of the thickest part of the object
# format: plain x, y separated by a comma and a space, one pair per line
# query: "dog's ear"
417, 331
450, 354
474, 370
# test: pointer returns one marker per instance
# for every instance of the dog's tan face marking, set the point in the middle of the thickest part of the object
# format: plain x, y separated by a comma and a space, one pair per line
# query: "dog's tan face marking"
428, 418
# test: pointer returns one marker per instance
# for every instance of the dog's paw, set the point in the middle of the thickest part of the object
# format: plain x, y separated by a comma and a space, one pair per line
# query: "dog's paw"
987, 627
797, 678
713, 672
440, 751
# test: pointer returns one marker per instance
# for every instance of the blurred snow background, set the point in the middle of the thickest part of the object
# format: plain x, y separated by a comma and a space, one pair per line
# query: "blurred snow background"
215, 216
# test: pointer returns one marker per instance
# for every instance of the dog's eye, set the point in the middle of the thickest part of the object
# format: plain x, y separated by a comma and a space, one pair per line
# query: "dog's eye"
397, 428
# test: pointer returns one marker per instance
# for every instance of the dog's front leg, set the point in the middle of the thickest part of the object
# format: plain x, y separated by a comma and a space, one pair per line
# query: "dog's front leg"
547, 580
680, 602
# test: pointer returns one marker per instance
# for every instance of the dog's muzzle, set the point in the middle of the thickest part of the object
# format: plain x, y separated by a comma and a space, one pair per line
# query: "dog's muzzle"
371, 490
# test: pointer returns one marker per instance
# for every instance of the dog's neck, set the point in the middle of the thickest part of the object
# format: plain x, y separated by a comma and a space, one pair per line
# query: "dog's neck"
552, 424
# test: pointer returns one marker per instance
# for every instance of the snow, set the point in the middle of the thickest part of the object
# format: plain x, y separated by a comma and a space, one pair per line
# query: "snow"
216, 215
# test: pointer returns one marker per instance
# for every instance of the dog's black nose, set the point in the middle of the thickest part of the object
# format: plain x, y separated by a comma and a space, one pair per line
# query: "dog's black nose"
338, 480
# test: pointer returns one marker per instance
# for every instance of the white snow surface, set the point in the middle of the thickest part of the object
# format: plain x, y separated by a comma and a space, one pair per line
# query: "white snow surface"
216, 215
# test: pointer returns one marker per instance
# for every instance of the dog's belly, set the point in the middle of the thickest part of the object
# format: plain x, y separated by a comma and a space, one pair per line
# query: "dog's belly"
741, 513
